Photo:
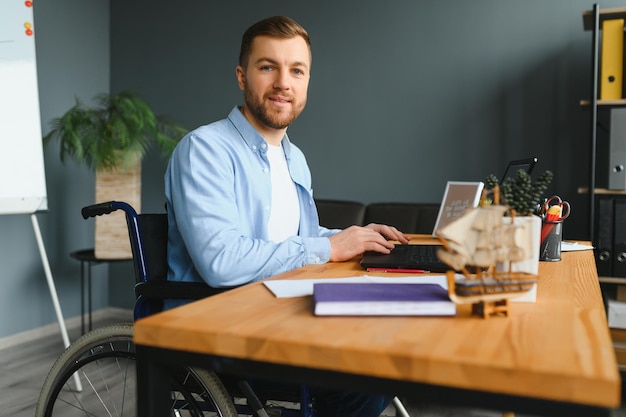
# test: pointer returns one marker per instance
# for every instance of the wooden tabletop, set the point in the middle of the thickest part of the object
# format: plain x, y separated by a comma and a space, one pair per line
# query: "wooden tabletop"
557, 348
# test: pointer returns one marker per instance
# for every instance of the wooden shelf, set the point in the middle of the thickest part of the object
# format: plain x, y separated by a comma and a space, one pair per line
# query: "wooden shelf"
612, 280
605, 103
614, 13
603, 191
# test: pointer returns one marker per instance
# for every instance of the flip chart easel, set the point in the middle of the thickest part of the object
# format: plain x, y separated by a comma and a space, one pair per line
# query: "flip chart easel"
22, 174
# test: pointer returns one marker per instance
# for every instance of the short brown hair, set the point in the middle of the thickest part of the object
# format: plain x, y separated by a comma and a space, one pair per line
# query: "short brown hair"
275, 27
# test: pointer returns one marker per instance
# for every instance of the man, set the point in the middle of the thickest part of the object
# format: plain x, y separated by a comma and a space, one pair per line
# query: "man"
239, 198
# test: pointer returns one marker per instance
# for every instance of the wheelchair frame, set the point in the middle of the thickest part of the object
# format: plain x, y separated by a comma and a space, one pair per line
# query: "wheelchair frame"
195, 392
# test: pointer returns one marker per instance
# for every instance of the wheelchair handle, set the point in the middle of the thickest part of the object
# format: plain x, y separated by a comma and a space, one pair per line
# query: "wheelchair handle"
132, 221
106, 208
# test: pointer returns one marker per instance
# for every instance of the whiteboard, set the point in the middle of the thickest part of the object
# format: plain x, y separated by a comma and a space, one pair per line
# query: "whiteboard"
22, 174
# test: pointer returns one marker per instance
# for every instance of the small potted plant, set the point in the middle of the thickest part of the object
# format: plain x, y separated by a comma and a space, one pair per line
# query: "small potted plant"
523, 196
520, 193
111, 137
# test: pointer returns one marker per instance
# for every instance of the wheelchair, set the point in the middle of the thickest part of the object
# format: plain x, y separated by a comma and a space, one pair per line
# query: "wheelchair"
96, 375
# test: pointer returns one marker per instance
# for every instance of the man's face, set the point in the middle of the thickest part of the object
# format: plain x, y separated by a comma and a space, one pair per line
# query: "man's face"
275, 81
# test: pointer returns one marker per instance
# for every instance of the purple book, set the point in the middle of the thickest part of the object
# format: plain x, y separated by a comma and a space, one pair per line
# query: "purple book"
381, 299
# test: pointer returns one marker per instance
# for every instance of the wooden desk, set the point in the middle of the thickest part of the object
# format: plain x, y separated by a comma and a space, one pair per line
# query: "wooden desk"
553, 357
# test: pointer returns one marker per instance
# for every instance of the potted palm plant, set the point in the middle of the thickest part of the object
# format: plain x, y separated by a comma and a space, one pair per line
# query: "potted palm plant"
111, 137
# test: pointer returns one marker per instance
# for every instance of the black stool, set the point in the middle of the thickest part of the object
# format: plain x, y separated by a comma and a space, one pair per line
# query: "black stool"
87, 258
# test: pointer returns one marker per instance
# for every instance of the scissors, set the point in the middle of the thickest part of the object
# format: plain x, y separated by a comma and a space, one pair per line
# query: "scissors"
555, 200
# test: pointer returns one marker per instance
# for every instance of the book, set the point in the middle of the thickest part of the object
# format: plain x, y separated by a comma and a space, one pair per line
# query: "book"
612, 55
381, 299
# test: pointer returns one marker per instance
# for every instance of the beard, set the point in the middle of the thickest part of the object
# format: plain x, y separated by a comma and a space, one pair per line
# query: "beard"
271, 119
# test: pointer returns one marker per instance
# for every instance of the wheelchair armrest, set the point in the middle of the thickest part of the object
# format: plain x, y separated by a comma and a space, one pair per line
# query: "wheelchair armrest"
161, 290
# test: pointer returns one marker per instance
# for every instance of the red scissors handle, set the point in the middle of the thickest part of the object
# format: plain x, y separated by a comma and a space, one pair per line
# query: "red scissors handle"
564, 210
556, 201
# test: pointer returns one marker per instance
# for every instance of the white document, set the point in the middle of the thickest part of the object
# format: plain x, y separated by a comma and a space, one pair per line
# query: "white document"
574, 246
285, 288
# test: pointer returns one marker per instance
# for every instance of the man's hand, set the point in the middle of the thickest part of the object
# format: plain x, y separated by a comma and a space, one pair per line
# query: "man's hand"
355, 240
389, 232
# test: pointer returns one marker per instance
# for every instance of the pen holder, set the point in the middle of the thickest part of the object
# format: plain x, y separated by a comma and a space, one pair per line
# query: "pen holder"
551, 235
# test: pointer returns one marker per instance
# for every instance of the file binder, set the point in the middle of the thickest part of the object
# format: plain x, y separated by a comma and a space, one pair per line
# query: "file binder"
612, 59
619, 241
617, 150
604, 238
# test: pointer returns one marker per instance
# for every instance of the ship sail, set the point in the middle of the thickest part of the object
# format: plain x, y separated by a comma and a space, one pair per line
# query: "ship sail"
474, 244
477, 238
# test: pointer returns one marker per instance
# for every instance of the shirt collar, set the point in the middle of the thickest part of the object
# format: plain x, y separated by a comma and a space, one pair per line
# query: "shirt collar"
250, 135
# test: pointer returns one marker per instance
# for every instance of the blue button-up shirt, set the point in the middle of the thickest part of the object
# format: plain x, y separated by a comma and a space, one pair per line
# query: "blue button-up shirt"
218, 194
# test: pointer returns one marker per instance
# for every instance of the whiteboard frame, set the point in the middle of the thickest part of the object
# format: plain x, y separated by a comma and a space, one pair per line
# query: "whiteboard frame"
22, 171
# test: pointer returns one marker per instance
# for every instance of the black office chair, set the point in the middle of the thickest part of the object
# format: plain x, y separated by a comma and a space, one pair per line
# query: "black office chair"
339, 214
408, 217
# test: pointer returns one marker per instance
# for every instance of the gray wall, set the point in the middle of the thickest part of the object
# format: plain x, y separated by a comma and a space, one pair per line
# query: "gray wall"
418, 90
427, 91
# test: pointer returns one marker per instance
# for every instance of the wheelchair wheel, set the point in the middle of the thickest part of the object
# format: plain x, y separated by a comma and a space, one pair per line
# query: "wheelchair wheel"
104, 360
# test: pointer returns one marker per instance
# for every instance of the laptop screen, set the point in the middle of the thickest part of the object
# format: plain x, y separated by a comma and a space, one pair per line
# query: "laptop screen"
514, 166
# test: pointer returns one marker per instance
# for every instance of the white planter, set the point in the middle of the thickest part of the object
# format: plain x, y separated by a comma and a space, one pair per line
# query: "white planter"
531, 232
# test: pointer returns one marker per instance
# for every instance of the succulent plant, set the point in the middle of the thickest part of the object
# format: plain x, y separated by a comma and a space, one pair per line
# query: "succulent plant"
519, 192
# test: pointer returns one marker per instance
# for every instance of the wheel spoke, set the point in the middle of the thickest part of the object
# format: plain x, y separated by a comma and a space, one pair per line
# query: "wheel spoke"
105, 360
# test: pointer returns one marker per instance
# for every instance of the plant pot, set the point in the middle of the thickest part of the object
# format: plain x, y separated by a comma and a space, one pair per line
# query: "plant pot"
530, 232
111, 234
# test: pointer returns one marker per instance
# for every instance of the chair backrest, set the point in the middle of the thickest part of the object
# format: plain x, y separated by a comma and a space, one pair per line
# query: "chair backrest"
339, 214
153, 288
407, 217
148, 242
427, 218
153, 232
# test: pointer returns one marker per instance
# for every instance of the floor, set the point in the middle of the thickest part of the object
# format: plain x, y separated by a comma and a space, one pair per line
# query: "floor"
25, 366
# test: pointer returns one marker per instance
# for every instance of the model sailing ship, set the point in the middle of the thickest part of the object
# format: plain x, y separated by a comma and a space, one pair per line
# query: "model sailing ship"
474, 244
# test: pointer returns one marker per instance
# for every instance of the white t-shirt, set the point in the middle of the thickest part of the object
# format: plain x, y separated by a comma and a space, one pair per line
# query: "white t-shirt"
285, 214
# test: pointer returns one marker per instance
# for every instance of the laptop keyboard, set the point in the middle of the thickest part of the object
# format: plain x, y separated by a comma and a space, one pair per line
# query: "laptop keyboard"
407, 256
421, 253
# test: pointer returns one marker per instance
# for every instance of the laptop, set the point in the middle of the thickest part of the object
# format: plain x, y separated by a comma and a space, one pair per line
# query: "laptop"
458, 196
519, 164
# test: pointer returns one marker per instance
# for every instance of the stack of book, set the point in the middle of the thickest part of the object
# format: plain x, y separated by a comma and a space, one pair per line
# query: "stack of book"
381, 299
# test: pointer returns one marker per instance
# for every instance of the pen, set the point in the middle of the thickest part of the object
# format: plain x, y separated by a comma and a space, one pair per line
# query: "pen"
400, 270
